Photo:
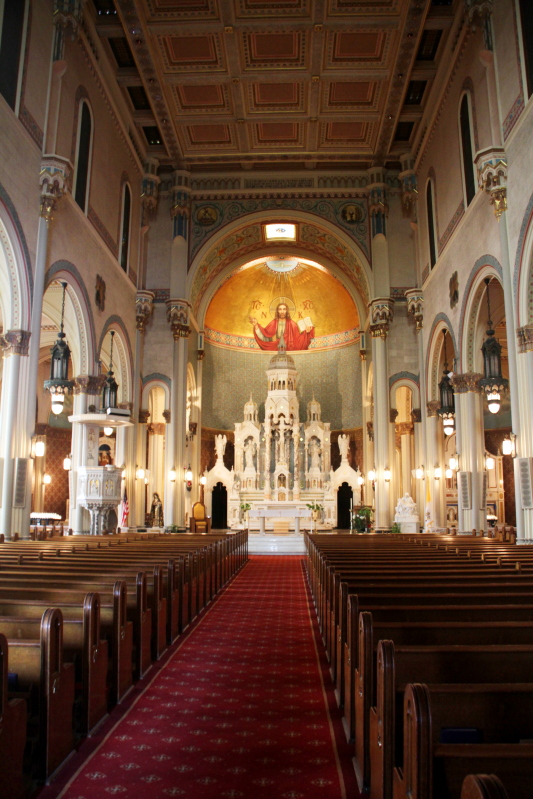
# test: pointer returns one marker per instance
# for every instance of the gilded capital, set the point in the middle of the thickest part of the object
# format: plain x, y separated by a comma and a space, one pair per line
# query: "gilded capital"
54, 179
467, 382
178, 318
415, 306
381, 315
491, 164
524, 337
432, 408
89, 384
144, 415
16, 342
144, 306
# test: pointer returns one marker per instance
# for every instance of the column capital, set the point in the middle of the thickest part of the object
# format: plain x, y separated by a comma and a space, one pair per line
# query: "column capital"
524, 337
178, 318
416, 415
393, 414
405, 428
144, 306
491, 165
89, 384
432, 408
415, 306
467, 382
15, 342
55, 180
478, 8
381, 315
167, 416
144, 415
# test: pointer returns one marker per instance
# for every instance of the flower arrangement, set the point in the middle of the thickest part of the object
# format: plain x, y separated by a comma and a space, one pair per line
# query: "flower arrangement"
361, 519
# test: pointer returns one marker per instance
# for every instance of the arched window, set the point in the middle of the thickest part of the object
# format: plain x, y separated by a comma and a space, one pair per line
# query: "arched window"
125, 235
466, 149
83, 157
430, 205
12, 13
526, 23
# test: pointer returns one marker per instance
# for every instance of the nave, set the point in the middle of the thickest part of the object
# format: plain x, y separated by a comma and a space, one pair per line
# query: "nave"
242, 706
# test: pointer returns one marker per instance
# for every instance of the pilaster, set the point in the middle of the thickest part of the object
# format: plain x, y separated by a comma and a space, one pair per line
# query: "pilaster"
381, 315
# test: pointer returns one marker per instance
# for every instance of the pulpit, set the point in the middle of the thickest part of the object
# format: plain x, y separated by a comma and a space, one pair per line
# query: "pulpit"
200, 521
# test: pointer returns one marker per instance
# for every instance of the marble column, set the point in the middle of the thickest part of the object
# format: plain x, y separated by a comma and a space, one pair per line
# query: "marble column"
178, 319
471, 449
135, 437
434, 461
16, 496
87, 392
405, 431
368, 438
381, 315
415, 307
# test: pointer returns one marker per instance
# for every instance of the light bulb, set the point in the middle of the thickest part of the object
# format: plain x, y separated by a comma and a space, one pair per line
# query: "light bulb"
188, 475
360, 480
57, 407
489, 462
372, 475
387, 475
419, 473
40, 449
108, 431
449, 473
452, 463
438, 473
494, 402
139, 474
448, 429
47, 479
203, 479
66, 464
507, 446
172, 475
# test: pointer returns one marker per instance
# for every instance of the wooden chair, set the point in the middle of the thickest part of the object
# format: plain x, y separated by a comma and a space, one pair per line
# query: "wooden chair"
200, 521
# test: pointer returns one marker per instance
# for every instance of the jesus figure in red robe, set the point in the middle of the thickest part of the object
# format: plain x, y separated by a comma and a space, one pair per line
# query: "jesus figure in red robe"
282, 325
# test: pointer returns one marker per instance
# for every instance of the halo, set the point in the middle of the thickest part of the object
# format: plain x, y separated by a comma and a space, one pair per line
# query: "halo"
288, 302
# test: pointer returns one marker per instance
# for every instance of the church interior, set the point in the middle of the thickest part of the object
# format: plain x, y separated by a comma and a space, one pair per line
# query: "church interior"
266, 321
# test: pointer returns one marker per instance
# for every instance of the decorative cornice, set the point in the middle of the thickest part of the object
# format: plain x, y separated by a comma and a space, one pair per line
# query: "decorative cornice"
89, 384
15, 342
415, 306
144, 305
524, 337
467, 382
432, 408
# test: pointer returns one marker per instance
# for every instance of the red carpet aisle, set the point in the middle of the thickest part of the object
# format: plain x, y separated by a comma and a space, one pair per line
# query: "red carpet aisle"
238, 711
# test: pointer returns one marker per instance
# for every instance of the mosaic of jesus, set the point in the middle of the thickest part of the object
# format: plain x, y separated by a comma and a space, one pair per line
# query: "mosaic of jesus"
297, 335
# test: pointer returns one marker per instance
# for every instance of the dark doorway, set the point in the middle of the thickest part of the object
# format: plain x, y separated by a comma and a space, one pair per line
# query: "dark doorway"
219, 512
344, 500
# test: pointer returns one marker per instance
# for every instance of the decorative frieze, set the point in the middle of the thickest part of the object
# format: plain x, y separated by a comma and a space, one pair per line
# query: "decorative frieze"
467, 382
381, 315
415, 306
15, 342
432, 408
491, 164
178, 318
89, 384
55, 180
524, 337
144, 306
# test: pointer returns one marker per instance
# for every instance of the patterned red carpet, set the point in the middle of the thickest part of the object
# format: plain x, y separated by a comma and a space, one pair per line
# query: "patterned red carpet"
238, 710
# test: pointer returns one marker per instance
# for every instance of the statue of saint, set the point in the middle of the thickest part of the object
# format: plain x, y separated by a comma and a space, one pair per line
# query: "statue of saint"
249, 452
406, 506
156, 511
344, 443
283, 326
220, 446
315, 452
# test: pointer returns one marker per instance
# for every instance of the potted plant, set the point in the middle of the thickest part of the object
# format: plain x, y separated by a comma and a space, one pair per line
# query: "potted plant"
316, 511
362, 518
245, 507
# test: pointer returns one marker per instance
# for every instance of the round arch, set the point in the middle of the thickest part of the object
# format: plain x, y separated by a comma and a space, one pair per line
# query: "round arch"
523, 271
406, 380
81, 311
155, 381
122, 357
487, 266
238, 242
15, 270
434, 352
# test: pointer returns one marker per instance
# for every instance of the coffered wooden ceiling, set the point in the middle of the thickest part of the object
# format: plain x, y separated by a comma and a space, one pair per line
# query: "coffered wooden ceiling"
272, 83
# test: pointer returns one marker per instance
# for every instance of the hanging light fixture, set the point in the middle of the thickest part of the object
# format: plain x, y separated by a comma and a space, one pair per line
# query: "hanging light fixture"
492, 383
110, 392
59, 385
447, 399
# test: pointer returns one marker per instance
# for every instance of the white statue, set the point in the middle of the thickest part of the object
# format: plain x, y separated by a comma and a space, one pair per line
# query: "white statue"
249, 452
344, 443
315, 452
406, 506
220, 446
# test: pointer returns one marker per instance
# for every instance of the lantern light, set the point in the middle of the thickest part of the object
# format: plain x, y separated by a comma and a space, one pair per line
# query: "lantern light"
110, 390
449, 473
492, 383
419, 473
67, 462
203, 480
139, 474
438, 472
489, 462
494, 401
108, 431
40, 449
188, 478
360, 480
172, 475
59, 385
452, 463
47, 479
447, 399
387, 475
507, 446
371, 475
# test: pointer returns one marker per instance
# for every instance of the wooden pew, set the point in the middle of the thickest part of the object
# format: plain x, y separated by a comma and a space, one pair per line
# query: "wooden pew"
39, 662
12, 732
398, 666
438, 770
82, 646
483, 786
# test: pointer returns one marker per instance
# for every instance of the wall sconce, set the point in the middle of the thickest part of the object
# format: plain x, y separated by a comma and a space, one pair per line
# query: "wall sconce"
372, 475
188, 478
453, 463
108, 431
67, 463
419, 473
172, 475
449, 473
489, 462
203, 480
387, 475
360, 480
509, 445
47, 479
39, 448
139, 474
438, 473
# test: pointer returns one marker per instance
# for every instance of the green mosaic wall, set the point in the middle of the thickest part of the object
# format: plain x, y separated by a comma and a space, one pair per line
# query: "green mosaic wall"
229, 376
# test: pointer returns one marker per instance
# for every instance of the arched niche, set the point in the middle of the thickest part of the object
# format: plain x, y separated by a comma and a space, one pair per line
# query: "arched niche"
435, 355
122, 361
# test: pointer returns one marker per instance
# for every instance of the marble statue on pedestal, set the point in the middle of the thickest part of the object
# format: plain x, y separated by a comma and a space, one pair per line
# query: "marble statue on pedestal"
407, 515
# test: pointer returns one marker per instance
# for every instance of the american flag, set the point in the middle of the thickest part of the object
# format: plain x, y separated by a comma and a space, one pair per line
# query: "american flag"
125, 509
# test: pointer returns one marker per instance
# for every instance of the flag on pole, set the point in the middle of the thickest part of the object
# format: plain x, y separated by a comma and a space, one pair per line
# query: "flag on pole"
428, 516
125, 509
